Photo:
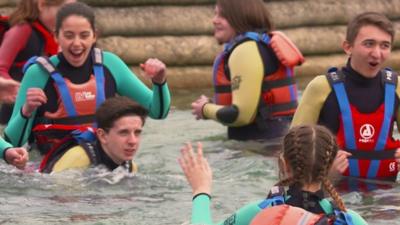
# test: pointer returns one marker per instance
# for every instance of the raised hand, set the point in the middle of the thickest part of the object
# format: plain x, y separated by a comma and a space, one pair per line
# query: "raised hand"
155, 70
196, 169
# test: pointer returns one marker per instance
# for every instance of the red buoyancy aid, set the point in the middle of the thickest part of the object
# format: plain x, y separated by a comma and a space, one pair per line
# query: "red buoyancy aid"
49, 47
362, 134
4, 26
366, 130
279, 91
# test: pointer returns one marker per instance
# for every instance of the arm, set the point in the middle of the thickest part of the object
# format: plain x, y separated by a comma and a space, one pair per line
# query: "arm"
199, 175
312, 101
19, 127
13, 42
75, 157
201, 213
157, 100
356, 218
247, 73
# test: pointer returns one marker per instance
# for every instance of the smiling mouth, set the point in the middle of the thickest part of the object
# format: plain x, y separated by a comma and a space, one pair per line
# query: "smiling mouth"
76, 54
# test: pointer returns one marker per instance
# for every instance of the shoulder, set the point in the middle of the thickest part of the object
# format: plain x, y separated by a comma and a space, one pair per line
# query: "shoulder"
319, 84
245, 55
33, 67
75, 157
109, 57
356, 218
22, 27
245, 47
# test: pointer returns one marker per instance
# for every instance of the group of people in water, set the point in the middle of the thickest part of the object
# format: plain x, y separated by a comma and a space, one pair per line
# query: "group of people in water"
81, 106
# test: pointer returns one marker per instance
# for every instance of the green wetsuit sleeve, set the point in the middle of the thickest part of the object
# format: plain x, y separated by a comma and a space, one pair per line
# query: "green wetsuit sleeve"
3, 146
201, 213
312, 101
356, 218
247, 72
157, 100
19, 127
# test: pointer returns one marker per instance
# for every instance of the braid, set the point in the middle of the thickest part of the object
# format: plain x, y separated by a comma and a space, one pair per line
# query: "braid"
332, 192
285, 182
309, 152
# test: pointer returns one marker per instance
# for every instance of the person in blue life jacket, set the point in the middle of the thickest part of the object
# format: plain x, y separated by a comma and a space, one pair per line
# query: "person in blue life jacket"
255, 91
28, 31
113, 144
61, 93
359, 103
304, 163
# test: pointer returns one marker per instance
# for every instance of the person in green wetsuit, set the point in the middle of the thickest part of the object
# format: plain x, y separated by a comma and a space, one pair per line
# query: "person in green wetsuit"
114, 144
82, 77
255, 94
307, 155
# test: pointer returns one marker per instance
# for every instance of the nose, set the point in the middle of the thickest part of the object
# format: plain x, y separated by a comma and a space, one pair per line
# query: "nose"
376, 51
133, 138
215, 19
76, 41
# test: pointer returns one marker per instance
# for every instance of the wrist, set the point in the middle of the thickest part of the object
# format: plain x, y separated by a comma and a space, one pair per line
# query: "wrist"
5, 155
202, 111
199, 194
24, 113
159, 81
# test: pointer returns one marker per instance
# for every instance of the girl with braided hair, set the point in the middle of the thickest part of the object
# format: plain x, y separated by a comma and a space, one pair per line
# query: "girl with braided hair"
307, 156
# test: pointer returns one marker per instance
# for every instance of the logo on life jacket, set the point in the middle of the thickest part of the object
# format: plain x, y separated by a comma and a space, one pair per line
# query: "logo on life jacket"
392, 166
84, 96
367, 132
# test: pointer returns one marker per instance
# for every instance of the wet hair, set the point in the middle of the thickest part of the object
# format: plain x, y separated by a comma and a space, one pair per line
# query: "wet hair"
244, 16
78, 9
115, 108
369, 18
309, 151
27, 11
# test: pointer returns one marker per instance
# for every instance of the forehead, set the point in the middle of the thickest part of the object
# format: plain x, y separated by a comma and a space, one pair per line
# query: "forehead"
75, 21
128, 122
371, 32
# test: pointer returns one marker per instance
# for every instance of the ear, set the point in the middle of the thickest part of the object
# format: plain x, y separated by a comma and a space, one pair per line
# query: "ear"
347, 47
101, 135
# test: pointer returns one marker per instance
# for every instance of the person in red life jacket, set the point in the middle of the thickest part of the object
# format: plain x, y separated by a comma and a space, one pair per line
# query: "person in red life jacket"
307, 156
255, 92
114, 143
359, 103
30, 34
61, 93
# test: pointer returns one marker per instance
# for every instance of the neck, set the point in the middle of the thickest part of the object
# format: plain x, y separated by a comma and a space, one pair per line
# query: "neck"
108, 152
311, 187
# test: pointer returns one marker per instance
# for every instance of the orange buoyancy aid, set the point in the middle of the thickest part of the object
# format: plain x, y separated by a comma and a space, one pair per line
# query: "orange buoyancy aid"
276, 211
77, 104
279, 91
